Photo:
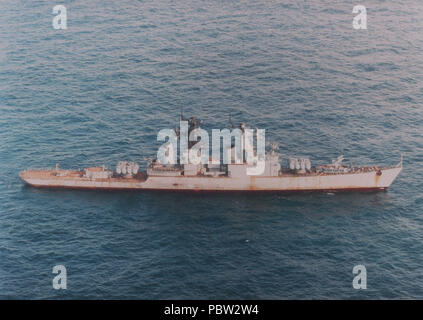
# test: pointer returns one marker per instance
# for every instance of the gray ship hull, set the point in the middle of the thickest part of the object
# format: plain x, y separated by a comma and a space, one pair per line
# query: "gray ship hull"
360, 181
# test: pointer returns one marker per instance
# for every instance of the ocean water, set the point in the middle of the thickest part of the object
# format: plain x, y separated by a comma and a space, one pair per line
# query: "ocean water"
99, 92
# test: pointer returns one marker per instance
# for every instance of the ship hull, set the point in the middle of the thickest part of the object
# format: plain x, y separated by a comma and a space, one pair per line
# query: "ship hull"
364, 181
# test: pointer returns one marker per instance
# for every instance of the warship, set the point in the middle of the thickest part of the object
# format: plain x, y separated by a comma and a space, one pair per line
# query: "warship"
297, 175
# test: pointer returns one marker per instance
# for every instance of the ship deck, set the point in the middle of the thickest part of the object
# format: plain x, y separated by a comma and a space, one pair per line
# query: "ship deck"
64, 175
61, 174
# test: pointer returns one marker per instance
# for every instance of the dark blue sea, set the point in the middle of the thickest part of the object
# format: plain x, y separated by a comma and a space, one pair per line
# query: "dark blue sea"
100, 91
